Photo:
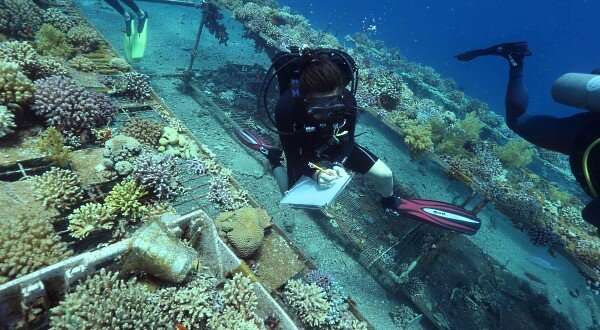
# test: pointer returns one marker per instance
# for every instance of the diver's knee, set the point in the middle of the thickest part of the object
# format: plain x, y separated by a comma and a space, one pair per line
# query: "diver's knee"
380, 170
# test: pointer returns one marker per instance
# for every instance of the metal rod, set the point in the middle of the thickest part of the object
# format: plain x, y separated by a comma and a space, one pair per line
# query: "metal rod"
188, 73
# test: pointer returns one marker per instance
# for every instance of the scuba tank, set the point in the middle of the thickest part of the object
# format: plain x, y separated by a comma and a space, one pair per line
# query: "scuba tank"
579, 90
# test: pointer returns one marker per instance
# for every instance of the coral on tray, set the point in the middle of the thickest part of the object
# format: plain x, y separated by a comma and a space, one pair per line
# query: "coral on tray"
244, 229
7, 121
15, 87
89, 218
157, 174
133, 85
146, 131
84, 38
20, 18
28, 244
58, 188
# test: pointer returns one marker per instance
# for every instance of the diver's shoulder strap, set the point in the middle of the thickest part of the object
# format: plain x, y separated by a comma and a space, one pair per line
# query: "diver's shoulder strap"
586, 167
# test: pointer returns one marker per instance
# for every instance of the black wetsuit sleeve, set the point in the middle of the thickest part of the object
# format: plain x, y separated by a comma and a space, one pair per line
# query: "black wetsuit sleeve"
297, 163
348, 145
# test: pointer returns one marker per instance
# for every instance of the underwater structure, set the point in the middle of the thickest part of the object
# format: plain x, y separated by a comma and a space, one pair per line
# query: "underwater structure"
111, 195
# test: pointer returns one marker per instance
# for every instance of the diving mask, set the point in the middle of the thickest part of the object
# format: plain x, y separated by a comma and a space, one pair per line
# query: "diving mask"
326, 109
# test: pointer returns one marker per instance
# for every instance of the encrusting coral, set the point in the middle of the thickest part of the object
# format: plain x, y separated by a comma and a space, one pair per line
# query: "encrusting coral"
28, 244
7, 121
89, 218
58, 188
53, 42
177, 144
309, 301
71, 108
15, 87
119, 154
20, 18
125, 200
146, 131
84, 38
244, 229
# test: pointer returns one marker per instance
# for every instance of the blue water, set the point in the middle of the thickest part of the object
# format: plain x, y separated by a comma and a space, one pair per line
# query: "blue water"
563, 35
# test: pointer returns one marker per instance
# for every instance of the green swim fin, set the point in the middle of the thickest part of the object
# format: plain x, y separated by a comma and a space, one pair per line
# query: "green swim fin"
128, 38
140, 39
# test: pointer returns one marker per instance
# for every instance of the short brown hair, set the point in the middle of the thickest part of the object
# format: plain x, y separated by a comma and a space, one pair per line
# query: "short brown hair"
320, 75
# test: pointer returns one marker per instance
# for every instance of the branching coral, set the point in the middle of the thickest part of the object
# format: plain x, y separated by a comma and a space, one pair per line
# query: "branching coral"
82, 63
133, 85
20, 18
221, 193
309, 301
7, 121
29, 61
239, 295
15, 87
105, 301
417, 136
58, 19
84, 38
58, 188
52, 144
53, 42
146, 131
244, 229
28, 244
71, 108
157, 174
89, 218
125, 200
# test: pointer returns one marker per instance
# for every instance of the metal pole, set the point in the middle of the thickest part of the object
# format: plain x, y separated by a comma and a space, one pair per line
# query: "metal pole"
188, 73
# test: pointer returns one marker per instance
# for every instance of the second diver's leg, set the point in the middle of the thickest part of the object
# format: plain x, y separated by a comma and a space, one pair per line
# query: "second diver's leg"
131, 4
281, 177
116, 6
549, 132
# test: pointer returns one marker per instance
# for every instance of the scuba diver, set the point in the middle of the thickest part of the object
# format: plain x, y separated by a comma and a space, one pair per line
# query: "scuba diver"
136, 31
577, 136
315, 118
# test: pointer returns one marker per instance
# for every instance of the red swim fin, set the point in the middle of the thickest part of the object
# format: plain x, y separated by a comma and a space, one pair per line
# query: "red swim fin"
440, 214
253, 140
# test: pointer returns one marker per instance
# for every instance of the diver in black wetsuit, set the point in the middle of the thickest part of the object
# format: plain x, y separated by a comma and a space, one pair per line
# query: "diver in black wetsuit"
141, 15
576, 136
327, 136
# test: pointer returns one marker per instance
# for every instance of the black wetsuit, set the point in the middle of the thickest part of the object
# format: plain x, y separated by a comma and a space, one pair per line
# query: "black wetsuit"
570, 135
312, 142
130, 3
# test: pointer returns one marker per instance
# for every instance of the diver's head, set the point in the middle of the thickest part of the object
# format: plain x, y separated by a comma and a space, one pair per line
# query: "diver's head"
320, 77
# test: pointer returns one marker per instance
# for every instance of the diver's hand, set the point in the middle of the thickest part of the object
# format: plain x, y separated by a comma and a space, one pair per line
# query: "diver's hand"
326, 178
340, 171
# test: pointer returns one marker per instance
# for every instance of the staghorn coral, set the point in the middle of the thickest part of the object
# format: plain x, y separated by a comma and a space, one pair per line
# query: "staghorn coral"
244, 229
58, 19
104, 301
84, 38
157, 174
58, 188
174, 143
196, 166
119, 154
309, 301
28, 244
70, 108
20, 18
238, 294
52, 144
15, 87
146, 131
125, 200
7, 121
52, 42
89, 218
82, 63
